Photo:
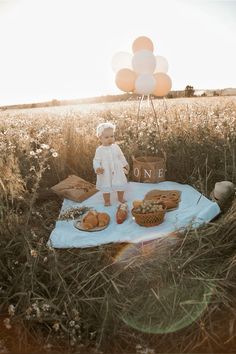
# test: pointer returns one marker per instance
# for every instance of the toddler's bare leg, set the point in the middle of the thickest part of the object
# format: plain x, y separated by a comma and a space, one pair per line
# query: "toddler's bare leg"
106, 197
120, 196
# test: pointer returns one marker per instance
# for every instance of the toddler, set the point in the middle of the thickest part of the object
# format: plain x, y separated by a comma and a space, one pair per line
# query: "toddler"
110, 164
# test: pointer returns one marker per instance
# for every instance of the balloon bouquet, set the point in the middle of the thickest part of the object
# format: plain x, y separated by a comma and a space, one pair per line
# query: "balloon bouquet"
142, 73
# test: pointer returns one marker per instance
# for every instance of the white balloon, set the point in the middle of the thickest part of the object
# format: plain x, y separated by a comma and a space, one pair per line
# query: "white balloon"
144, 62
161, 64
121, 60
145, 84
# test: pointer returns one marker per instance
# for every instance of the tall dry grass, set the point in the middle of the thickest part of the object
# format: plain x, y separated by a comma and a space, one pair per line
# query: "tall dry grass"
84, 299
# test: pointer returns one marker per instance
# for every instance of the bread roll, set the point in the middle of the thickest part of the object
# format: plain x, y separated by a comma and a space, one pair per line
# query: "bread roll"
91, 218
87, 226
103, 219
137, 203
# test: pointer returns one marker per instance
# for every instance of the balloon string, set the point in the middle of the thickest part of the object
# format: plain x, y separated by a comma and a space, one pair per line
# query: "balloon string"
137, 124
156, 119
140, 101
164, 103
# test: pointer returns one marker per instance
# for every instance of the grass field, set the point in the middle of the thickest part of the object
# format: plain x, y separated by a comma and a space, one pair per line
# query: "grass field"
79, 300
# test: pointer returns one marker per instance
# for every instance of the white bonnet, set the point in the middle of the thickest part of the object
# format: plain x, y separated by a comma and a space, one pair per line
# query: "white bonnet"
102, 126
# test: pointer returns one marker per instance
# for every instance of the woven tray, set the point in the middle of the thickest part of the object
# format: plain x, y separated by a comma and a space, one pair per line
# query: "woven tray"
149, 219
170, 198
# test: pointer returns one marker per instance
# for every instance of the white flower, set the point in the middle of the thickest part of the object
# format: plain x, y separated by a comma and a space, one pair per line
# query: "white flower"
29, 310
45, 307
38, 151
34, 235
56, 326
11, 310
45, 146
33, 253
32, 153
55, 154
7, 323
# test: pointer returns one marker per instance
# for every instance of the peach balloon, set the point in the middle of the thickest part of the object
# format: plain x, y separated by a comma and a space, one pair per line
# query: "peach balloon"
163, 84
125, 80
141, 43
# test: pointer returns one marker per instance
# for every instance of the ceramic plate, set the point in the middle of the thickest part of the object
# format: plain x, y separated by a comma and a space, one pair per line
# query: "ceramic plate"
78, 225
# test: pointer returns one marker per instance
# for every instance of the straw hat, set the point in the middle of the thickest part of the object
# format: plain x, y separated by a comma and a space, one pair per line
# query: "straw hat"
223, 190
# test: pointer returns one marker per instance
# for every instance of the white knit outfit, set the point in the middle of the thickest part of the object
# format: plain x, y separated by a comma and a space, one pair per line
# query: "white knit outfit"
112, 160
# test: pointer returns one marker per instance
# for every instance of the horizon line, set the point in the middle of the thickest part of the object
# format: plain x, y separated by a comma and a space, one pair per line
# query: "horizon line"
100, 96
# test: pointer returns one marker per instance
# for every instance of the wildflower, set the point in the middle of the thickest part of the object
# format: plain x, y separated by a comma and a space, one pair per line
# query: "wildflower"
56, 326
11, 310
28, 313
71, 323
33, 253
45, 146
34, 235
35, 306
55, 154
39, 151
45, 307
32, 153
7, 323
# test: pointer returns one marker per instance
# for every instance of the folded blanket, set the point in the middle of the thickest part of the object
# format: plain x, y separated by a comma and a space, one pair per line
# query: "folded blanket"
194, 209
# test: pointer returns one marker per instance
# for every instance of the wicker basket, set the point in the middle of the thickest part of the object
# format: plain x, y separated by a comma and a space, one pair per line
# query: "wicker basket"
150, 219
149, 169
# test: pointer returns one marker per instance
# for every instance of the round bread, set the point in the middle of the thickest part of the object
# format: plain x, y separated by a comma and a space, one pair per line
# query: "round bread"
137, 203
103, 219
91, 218
87, 226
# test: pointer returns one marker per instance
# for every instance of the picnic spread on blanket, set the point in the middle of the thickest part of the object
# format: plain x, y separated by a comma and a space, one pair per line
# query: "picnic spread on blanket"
184, 207
118, 210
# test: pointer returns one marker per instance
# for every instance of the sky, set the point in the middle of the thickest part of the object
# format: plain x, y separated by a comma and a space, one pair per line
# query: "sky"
62, 49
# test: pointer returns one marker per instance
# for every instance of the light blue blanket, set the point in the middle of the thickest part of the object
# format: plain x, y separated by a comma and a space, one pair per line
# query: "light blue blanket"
194, 209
